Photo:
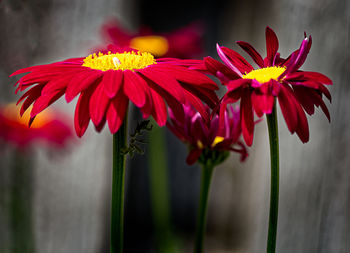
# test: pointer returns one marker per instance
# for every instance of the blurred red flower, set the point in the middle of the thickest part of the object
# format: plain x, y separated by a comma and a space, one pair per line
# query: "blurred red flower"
50, 128
185, 42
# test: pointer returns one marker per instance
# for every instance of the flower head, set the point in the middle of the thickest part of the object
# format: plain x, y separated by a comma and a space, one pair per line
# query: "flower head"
50, 127
209, 139
106, 82
297, 91
184, 42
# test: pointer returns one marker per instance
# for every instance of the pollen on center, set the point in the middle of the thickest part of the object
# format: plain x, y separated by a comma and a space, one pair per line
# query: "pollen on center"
119, 61
264, 75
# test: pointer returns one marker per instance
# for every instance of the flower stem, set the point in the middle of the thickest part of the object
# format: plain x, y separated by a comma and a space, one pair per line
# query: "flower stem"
274, 156
159, 189
117, 213
207, 172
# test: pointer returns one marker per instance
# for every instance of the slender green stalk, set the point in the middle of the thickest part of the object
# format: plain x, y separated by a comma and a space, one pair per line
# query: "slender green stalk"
207, 172
160, 190
21, 208
117, 213
274, 156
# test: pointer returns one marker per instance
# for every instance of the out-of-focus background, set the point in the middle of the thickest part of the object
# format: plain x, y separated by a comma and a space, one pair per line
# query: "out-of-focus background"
68, 192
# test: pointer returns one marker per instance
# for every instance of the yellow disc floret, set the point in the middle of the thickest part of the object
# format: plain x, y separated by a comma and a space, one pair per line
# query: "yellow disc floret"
217, 140
11, 112
264, 75
156, 45
119, 61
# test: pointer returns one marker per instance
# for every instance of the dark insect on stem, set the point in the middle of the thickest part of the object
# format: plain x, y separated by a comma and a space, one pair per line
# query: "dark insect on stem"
135, 141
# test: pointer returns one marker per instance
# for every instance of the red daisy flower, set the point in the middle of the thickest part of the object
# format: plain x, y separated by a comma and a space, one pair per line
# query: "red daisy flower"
205, 136
297, 91
50, 127
185, 42
106, 82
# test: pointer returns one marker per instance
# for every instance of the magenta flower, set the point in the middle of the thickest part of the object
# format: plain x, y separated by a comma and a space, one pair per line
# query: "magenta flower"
204, 135
297, 91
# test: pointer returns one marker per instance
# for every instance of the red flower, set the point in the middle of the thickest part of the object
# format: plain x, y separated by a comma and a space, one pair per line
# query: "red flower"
185, 42
208, 135
106, 82
50, 127
297, 91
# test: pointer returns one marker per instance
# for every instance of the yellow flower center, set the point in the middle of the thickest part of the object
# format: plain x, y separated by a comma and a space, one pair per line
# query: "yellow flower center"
156, 45
119, 61
11, 112
217, 140
264, 75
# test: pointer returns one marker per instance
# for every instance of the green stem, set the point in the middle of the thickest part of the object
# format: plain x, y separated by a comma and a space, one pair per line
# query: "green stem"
22, 223
117, 213
160, 190
207, 172
274, 156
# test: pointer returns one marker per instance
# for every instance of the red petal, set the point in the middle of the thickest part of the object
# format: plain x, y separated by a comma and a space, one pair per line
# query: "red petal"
308, 76
57, 84
116, 112
247, 118
82, 115
252, 52
262, 103
290, 114
216, 67
235, 84
159, 108
271, 45
164, 81
81, 82
237, 60
303, 127
112, 81
135, 88
196, 103
98, 104
44, 101
302, 95
193, 156
191, 77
